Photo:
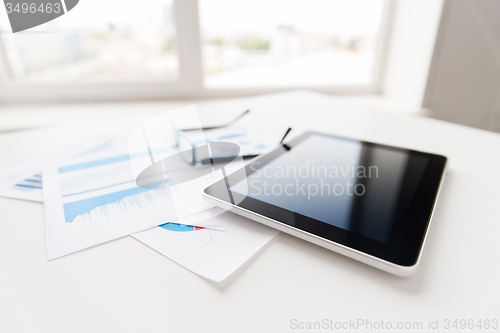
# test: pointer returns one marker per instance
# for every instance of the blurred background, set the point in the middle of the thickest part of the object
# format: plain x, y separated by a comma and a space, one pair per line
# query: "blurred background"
244, 45
438, 58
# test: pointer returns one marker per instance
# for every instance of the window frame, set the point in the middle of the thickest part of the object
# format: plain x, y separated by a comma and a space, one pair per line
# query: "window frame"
189, 83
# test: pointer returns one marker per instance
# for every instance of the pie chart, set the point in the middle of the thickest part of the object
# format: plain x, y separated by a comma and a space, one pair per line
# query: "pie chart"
179, 227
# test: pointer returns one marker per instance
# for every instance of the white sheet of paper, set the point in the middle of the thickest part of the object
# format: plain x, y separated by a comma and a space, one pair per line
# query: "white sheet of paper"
78, 196
94, 198
212, 254
23, 182
205, 219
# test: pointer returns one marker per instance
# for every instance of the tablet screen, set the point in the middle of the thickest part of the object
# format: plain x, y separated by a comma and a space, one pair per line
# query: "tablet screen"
354, 185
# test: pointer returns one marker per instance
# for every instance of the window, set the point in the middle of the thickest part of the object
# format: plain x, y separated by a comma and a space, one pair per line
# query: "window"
282, 43
98, 40
165, 48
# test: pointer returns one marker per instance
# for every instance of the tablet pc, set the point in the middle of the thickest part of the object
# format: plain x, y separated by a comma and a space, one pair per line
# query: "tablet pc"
368, 201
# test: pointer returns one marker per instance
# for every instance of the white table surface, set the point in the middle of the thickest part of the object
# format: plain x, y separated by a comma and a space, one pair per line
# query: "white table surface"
123, 286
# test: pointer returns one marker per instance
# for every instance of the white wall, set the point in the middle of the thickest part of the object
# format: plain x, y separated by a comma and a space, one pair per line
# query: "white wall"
411, 44
464, 81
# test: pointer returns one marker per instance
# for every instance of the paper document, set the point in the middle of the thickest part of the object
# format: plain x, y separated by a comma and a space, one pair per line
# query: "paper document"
126, 185
93, 198
211, 254
22, 182
25, 181
205, 219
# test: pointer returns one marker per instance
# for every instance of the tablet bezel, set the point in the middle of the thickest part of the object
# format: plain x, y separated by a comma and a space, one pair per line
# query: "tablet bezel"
408, 237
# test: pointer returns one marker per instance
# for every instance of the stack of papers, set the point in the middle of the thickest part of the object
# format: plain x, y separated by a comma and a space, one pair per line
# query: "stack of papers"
90, 197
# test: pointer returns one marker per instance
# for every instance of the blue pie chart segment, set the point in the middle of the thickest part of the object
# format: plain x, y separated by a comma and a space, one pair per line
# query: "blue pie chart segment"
179, 227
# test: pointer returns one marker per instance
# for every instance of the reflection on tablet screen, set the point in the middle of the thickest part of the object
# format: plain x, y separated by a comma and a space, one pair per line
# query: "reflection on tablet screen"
353, 185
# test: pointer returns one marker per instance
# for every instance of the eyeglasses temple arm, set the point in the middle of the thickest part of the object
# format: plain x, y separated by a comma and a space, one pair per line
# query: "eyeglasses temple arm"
286, 134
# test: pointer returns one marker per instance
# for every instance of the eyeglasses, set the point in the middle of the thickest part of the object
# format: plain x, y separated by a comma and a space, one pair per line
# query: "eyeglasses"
196, 153
199, 153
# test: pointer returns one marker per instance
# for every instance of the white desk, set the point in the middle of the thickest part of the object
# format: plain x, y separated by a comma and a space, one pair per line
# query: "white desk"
123, 286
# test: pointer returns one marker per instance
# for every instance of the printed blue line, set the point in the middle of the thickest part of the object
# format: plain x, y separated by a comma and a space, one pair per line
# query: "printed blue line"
29, 186
96, 189
96, 163
74, 209
116, 159
40, 176
32, 180
229, 136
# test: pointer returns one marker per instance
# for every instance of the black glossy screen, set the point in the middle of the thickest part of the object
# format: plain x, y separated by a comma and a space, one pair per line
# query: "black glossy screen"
351, 185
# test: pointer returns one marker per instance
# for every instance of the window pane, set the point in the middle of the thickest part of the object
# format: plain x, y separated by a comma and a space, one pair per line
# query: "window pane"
282, 43
97, 40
